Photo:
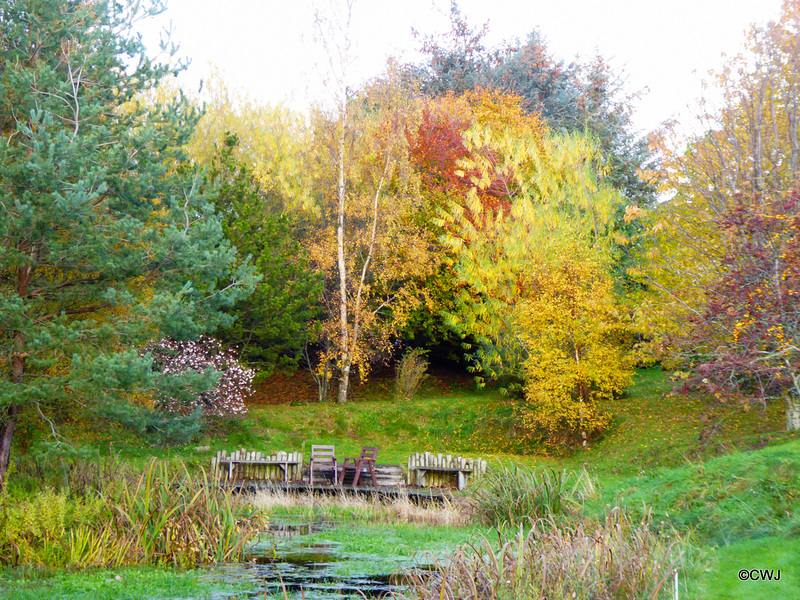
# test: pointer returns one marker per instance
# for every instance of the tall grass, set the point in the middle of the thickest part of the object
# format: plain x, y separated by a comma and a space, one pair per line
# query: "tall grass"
160, 516
608, 560
511, 496
410, 373
373, 509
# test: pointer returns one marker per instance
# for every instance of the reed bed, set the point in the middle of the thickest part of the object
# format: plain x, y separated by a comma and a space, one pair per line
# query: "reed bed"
162, 515
511, 496
615, 559
373, 509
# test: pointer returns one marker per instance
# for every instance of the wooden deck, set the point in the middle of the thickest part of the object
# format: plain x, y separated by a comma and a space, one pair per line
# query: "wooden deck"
415, 494
391, 482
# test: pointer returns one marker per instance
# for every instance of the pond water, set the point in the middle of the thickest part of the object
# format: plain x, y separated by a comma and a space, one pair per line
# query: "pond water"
314, 570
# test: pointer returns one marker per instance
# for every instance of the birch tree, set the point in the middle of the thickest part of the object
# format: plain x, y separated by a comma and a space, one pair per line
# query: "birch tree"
366, 188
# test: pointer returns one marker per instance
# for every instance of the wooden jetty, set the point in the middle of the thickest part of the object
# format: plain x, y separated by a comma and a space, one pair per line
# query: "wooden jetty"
414, 494
426, 477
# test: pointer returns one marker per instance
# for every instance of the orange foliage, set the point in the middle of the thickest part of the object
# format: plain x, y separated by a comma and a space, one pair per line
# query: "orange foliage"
438, 149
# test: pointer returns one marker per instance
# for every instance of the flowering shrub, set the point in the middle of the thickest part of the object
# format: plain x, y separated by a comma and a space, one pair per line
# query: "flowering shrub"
202, 360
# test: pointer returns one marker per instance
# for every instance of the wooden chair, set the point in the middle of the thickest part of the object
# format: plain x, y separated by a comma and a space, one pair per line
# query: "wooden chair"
364, 463
324, 458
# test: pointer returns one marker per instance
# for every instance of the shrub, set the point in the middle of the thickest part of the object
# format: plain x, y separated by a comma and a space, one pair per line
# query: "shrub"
410, 373
201, 360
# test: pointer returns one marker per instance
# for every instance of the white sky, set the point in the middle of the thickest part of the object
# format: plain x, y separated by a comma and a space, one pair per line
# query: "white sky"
665, 47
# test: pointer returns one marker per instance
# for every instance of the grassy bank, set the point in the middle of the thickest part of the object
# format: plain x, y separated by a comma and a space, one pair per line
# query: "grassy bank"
651, 428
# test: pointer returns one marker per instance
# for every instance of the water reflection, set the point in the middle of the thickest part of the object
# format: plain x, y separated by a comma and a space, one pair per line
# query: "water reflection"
309, 570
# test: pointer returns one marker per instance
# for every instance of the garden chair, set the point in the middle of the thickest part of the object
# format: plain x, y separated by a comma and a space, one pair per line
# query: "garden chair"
364, 463
323, 458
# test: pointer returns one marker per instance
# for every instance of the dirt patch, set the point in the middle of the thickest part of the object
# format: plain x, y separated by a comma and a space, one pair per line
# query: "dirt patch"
301, 387
284, 389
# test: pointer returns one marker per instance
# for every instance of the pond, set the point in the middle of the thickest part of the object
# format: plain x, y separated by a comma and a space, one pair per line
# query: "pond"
295, 558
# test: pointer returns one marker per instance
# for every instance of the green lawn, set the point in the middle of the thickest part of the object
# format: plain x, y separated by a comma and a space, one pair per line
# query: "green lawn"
651, 428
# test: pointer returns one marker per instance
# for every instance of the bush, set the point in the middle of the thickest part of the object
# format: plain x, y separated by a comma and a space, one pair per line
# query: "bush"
211, 377
509, 497
410, 373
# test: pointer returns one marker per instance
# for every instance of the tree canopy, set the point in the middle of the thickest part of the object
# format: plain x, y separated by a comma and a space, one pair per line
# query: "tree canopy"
724, 257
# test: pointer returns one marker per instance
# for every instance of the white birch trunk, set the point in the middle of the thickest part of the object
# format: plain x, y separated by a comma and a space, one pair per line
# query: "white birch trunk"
344, 341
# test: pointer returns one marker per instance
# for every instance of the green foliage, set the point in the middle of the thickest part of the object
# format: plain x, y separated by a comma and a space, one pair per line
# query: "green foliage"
155, 426
270, 326
410, 373
461, 63
106, 241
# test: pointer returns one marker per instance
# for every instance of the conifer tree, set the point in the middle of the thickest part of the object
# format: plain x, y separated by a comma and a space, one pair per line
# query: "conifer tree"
105, 239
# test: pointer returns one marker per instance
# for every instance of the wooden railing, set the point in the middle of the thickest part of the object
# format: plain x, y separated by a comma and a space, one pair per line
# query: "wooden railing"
437, 470
240, 464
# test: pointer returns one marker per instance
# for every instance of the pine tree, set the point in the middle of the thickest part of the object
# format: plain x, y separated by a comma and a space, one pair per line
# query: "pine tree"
105, 240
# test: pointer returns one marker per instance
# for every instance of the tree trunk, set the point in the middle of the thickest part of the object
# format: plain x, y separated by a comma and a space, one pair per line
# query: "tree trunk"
792, 412
10, 418
344, 383
344, 341
6, 435
9, 423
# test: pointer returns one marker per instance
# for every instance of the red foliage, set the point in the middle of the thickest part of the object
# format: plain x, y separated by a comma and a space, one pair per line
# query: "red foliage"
438, 148
745, 343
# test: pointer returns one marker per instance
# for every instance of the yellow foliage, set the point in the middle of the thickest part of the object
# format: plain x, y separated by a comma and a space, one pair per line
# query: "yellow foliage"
578, 346
272, 141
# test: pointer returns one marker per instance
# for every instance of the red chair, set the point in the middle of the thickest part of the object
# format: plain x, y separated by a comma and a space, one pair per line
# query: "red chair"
364, 463
324, 458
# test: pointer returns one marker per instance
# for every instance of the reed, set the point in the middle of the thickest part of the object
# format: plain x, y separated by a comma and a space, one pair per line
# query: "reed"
399, 509
160, 516
614, 559
511, 496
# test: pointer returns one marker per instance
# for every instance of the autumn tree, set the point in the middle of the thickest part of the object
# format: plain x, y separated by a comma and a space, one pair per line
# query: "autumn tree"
578, 341
373, 250
534, 272
271, 143
744, 344
582, 96
724, 255
369, 245
105, 239
458, 60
